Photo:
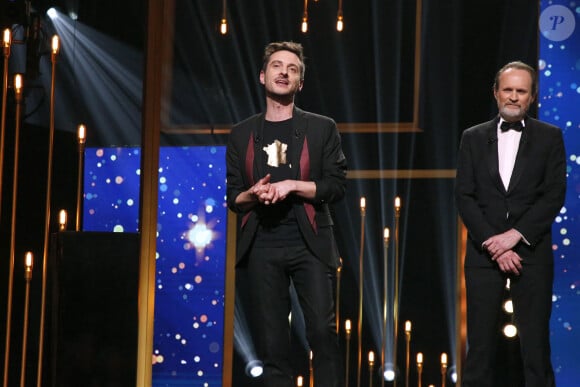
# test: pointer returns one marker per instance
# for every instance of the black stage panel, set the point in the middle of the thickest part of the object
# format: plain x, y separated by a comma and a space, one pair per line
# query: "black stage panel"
92, 317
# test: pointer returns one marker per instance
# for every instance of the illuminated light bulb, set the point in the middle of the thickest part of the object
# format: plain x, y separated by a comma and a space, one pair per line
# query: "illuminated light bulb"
82, 134
62, 220
18, 83
304, 24
510, 330
339, 24
224, 26
55, 44
6, 39
508, 306
28, 261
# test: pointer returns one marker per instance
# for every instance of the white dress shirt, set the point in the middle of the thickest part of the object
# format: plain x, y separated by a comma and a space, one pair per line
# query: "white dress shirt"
508, 143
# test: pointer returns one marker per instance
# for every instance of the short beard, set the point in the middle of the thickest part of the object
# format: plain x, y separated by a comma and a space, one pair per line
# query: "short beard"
510, 115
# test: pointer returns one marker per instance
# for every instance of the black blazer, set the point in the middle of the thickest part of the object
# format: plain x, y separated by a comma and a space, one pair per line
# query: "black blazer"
322, 161
533, 199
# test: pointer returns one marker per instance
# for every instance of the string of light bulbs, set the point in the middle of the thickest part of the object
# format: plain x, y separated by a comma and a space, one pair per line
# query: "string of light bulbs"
303, 25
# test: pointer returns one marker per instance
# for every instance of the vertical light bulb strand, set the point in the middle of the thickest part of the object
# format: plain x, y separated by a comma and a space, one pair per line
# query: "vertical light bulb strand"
305, 17
224, 21
339, 18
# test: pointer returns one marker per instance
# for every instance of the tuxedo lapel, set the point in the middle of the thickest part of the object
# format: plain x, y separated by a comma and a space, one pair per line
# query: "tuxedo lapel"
258, 133
301, 159
491, 155
299, 129
522, 157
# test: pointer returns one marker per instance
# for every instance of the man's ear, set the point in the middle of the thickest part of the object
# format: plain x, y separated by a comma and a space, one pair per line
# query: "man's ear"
262, 77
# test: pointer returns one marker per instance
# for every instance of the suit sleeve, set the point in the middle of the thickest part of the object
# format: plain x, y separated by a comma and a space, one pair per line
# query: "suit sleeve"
234, 164
331, 186
538, 219
466, 195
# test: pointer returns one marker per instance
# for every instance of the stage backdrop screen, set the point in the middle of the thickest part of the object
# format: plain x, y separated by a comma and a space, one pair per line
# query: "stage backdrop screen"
191, 250
559, 102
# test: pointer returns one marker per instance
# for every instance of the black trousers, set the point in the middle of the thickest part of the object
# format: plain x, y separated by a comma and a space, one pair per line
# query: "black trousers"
270, 272
531, 294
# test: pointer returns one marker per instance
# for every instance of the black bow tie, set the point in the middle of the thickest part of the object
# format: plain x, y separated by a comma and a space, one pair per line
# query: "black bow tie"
505, 126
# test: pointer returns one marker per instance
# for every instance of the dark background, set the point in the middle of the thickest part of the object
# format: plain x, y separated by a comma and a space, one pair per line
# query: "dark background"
363, 74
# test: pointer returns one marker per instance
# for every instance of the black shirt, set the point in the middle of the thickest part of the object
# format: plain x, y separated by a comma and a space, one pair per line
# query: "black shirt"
278, 225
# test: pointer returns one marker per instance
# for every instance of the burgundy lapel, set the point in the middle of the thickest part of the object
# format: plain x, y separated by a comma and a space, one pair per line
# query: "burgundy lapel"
249, 170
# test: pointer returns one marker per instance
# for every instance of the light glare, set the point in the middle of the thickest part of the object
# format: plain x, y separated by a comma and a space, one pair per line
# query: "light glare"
52, 13
510, 330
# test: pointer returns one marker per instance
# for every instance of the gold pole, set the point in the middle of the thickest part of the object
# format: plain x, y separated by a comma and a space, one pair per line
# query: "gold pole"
311, 371
160, 16
6, 48
396, 287
371, 367
27, 278
18, 95
55, 48
337, 298
81, 142
419, 368
347, 355
385, 299
443, 369
360, 287
461, 307
407, 350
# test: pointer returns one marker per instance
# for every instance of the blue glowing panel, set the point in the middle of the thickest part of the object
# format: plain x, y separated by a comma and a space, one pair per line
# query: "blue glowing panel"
191, 250
559, 101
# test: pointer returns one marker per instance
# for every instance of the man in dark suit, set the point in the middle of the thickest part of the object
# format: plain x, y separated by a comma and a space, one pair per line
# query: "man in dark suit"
284, 167
511, 183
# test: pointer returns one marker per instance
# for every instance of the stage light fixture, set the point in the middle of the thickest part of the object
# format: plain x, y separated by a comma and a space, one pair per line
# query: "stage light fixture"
452, 373
52, 13
389, 373
254, 368
508, 306
510, 330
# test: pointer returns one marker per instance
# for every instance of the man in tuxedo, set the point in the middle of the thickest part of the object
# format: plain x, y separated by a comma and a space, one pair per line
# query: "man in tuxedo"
511, 183
284, 167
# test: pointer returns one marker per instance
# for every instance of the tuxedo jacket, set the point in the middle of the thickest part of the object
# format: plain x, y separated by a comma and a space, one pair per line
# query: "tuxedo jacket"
316, 153
534, 197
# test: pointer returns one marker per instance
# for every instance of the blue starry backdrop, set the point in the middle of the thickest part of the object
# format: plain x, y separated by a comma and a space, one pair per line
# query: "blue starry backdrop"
191, 250
559, 103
